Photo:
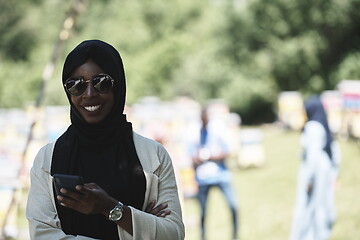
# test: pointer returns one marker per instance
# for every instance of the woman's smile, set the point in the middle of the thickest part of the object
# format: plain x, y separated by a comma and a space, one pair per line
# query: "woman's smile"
93, 108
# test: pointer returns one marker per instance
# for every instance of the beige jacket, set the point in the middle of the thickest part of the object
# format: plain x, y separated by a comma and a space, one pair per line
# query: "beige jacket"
160, 186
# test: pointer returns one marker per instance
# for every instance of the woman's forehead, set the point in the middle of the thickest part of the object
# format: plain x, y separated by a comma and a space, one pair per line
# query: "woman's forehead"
89, 67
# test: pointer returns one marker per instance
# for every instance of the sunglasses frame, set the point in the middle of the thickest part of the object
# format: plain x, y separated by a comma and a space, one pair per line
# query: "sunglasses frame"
85, 81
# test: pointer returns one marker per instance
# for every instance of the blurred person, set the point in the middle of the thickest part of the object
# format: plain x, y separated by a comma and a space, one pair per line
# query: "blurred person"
209, 153
125, 174
314, 213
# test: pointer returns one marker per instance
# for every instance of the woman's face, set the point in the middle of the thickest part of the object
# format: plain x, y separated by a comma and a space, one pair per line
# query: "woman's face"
92, 105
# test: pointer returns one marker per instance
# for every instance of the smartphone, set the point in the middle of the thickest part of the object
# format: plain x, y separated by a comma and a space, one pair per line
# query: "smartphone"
68, 182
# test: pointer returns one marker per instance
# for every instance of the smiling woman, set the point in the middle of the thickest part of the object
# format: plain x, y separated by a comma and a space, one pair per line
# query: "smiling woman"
130, 191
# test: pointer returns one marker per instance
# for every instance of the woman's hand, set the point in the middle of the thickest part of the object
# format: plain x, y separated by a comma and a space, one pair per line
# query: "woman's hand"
159, 211
90, 199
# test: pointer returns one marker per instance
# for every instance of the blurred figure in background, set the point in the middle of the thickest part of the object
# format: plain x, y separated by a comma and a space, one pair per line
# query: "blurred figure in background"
315, 207
209, 154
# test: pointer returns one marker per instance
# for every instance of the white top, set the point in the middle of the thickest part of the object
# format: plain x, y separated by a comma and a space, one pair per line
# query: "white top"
313, 140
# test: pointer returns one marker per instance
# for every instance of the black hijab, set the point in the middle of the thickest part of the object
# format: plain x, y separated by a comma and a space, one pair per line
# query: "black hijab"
104, 152
315, 112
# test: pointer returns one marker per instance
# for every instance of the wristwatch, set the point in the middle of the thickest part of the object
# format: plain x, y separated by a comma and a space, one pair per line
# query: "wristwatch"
116, 213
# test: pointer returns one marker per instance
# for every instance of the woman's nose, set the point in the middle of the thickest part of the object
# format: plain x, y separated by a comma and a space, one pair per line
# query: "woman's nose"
90, 90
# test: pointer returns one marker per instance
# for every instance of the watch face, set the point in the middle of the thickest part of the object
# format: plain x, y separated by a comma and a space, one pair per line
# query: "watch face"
116, 214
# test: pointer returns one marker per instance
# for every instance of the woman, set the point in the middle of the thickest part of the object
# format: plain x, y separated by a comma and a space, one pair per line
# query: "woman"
314, 212
125, 173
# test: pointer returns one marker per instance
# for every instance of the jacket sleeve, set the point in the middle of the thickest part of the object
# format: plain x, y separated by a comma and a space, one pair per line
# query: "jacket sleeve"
147, 226
41, 213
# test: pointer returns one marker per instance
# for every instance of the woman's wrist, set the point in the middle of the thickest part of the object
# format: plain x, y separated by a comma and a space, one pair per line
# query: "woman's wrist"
109, 206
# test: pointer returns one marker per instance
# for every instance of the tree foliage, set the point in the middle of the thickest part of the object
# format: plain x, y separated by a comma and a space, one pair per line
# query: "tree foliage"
245, 52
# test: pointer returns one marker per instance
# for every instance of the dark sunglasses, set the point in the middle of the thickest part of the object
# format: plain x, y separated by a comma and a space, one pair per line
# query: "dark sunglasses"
76, 86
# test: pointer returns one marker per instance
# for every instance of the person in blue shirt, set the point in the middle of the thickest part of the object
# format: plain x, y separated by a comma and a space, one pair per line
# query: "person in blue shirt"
208, 154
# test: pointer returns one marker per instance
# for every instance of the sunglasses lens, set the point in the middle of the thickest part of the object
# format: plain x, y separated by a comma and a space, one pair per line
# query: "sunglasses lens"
103, 83
75, 86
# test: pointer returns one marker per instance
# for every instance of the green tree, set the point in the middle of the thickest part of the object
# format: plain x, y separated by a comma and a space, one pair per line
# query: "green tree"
17, 37
307, 39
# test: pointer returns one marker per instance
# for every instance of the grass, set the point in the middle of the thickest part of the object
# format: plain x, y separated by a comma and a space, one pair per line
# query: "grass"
266, 195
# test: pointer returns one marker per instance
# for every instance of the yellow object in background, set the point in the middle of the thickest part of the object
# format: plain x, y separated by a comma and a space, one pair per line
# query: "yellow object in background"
291, 110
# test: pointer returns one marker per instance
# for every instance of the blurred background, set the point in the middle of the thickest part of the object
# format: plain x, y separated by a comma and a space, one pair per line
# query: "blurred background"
254, 61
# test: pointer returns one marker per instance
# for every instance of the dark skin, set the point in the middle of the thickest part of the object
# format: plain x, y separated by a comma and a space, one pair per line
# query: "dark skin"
93, 199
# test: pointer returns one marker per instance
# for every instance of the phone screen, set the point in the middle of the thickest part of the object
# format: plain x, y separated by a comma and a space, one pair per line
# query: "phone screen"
68, 182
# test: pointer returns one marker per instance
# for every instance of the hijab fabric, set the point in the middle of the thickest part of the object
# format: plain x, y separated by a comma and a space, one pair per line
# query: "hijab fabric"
104, 152
315, 112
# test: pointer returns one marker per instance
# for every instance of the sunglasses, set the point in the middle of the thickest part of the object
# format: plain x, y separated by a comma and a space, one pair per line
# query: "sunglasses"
76, 86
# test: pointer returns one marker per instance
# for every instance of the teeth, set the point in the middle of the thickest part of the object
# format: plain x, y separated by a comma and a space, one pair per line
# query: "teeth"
92, 108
